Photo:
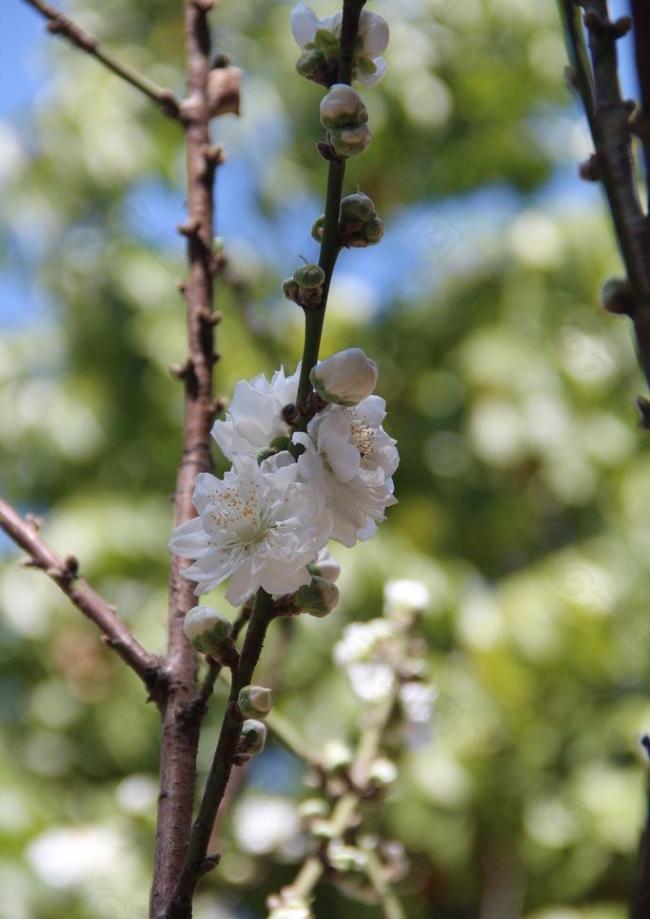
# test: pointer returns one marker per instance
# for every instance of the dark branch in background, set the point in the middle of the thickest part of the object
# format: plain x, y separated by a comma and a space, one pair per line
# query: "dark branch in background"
64, 573
59, 24
331, 243
182, 715
197, 861
609, 118
641, 902
641, 32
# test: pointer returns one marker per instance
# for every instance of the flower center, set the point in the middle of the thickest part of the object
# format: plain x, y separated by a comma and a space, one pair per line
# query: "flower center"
363, 436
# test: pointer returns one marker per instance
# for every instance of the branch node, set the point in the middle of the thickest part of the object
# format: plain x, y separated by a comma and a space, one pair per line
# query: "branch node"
29, 562
217, 405
643, 405
210, 862
204, 5
590, 169
189, 227
34, 521
184, 370
214, 154
71, 566
210, 317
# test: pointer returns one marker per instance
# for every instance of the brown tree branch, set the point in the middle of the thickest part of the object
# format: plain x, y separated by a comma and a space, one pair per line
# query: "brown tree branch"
59, 24
222, 763
64, 573
641, 33
182, 715
608, 115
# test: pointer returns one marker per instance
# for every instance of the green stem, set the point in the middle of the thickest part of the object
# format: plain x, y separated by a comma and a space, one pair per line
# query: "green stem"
222, 762
330, 244
390, 905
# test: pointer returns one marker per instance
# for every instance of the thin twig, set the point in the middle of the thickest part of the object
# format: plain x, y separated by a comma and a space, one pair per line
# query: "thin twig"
64, 573
215, 669
331, 243
222, 763
608, 116
348, 805
390, 905
59, 24
182, 715
641, 32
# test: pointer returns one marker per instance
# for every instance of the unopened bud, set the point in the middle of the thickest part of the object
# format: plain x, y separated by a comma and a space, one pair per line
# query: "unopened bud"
325, 566
342, 107
382, 771
336, 755
617, 297
318, 229
350, 140
207, 630
358, 208
346, 858
313, 66
345, 378
255, 701
318, 598
290, 289
373, 231
312, 808
309, 276
252, 738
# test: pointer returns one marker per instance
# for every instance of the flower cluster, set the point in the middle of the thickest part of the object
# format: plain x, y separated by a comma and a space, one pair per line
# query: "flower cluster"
384, 655
267, 521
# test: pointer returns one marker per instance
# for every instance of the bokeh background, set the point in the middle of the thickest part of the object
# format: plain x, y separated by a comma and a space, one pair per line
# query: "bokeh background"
524, 486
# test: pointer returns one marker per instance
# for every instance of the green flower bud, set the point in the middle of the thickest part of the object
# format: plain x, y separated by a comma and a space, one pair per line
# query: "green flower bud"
255, 701
322, 829
280, 443
373, 231
336, 755
346, 858
318, 228
350, 140
309, 276
290, 289
617, 297
341, 107
318, 598
382, 771
357, 208
311, 808
208, 631
312, 65
253, 737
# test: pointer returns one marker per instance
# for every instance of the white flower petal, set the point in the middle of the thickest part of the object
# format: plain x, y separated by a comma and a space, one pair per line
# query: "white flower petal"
304, 24
375, 33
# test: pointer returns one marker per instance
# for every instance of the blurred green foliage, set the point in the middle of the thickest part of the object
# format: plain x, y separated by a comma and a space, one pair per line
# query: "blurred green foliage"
524, 483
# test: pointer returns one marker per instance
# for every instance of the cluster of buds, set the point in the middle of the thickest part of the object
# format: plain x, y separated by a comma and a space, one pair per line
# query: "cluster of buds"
358, 226
345, 117
305, 287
